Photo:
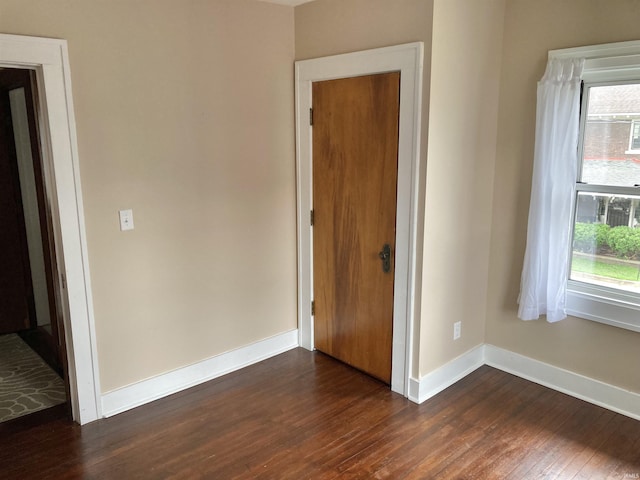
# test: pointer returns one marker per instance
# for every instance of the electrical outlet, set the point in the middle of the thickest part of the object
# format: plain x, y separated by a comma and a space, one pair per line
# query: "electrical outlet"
457, 330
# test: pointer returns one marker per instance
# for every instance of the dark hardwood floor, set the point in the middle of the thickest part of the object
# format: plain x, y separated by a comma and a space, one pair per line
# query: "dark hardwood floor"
303, 415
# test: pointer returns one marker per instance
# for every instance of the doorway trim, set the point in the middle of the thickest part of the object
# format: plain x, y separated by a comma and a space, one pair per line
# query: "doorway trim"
408, 60
50, 60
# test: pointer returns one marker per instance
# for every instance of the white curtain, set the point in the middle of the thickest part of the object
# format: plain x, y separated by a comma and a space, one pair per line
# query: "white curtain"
546, 262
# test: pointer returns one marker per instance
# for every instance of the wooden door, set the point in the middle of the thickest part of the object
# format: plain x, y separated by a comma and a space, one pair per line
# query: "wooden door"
38, 269
16, 293
355, 163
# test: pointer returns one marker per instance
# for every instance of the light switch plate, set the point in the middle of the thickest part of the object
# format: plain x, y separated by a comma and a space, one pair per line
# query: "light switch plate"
126, 220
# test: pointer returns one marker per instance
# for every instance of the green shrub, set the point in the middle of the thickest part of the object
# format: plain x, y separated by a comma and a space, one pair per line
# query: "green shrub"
589, 237
602, 232
624, 241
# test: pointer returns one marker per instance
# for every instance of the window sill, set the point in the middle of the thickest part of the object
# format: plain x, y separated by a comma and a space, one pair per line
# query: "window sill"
604, 305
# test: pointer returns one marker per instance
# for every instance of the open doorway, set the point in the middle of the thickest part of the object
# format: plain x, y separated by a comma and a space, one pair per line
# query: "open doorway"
49, 58
33, 374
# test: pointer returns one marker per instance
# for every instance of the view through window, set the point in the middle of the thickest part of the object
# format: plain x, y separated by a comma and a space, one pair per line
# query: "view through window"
606, 238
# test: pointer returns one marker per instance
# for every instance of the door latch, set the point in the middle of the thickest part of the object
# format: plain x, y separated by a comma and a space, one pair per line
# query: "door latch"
385, 256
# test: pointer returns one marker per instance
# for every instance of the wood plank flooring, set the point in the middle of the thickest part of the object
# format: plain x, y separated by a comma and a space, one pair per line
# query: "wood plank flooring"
303, 415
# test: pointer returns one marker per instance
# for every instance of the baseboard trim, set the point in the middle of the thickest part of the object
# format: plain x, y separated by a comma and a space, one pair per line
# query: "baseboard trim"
137, 394
445, 376
579, 386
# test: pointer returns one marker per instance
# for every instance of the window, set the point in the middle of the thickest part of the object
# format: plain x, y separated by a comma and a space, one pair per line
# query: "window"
606, 237
634, 139
604, 281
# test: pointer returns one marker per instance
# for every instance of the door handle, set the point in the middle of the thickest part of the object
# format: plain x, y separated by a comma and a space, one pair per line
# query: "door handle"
385, 256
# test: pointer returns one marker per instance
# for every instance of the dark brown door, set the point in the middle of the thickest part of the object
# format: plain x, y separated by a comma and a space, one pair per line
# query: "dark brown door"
355, 163
16, 293
42, 308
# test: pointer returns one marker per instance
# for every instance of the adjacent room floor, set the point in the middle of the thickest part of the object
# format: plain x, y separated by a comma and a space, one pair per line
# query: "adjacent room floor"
303, 415
27, 383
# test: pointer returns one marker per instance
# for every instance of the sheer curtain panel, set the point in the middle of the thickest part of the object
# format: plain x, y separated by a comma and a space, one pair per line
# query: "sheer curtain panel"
546, 262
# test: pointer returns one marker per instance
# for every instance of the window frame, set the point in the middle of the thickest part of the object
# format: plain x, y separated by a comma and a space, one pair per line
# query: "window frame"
634, 123
608, 64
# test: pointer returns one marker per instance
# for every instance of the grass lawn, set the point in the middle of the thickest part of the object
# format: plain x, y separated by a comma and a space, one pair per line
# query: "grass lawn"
620, 272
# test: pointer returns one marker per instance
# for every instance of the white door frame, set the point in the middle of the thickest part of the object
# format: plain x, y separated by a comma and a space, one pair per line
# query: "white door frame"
49, 58
408, 60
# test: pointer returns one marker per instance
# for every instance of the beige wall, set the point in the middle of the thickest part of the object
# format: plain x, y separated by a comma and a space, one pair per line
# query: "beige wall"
605, 353
330, 27
465, 74
184, 113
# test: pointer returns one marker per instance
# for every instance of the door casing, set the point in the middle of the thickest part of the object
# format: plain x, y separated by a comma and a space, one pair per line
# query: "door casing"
49, 58
408, 60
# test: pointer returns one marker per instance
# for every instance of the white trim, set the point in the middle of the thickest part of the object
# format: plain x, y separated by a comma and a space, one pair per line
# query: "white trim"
445, 376
407, 59
605, 305
608, 62
166, 384
593, 391
625, 117
578, 386
617, 49
49, 58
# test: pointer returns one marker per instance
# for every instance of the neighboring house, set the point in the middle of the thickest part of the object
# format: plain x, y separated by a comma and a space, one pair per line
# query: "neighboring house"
611, 154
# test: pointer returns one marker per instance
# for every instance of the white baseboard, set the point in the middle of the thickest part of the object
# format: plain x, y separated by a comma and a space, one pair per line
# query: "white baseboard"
578, 386
168, 383
445, 376
593, 391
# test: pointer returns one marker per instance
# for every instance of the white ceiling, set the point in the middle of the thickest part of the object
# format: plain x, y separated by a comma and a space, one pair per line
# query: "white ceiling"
291, 3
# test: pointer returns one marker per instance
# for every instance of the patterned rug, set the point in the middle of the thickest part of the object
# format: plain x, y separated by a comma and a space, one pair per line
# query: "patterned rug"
27, 383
